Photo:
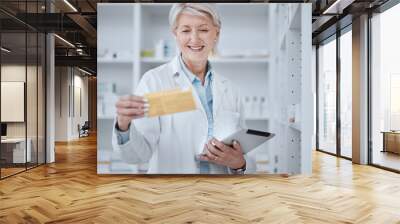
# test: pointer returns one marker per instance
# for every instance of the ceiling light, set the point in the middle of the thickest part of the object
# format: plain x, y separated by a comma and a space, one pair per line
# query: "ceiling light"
65, 41
5, 50
79, 51
70, 5
84, 71
337, 7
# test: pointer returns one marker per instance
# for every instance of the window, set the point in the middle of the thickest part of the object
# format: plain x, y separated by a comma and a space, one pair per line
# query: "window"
385, 89
327, 97
394, 101
346, 94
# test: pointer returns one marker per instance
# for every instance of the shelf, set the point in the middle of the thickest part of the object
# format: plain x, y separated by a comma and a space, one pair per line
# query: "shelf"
256, 118
103, 168
155, 60
260, 60
240, 60
262, 161
296, 126
106, 117
119, 61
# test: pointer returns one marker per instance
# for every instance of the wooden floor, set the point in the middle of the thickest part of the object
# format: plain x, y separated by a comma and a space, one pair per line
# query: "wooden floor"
10, 171
70, 191
5, 172
387, 159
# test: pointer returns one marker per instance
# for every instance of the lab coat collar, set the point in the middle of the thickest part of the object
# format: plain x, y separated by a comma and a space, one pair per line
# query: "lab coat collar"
192, 77
219, 82
219, 87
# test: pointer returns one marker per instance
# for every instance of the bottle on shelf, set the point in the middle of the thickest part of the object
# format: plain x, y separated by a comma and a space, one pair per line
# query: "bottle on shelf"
160, 49
147, 53
262, 106
115, 56
107, 97
291, 113
247, 106
168, 49
254, 107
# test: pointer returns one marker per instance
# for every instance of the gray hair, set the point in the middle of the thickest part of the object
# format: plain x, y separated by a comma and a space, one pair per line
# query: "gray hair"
197, 9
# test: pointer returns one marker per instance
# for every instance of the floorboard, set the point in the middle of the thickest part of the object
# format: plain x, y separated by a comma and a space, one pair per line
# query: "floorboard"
70, 191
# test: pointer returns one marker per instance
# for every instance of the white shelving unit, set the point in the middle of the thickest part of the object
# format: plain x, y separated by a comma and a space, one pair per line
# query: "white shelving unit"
246, 54
292, 89
115, 65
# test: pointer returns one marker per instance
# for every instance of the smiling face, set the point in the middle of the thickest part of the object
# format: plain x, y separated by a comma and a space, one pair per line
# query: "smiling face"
196, 36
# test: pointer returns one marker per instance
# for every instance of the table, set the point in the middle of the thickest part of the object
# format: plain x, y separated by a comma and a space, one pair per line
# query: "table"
391, 141
16, 147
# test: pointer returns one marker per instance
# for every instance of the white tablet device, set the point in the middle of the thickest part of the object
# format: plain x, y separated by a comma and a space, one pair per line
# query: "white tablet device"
249, 139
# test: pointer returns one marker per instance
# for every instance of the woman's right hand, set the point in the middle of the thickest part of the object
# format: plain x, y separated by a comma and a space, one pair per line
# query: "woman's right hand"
129, 108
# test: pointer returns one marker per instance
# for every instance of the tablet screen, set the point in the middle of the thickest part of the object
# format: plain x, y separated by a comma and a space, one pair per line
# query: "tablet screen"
259, 133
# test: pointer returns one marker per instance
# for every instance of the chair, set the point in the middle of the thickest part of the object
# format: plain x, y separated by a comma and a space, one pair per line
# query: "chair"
84, 130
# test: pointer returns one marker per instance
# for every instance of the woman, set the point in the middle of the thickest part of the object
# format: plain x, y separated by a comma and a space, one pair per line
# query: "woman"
184, 142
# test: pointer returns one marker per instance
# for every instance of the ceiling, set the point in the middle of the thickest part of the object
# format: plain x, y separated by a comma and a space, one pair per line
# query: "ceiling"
326, 21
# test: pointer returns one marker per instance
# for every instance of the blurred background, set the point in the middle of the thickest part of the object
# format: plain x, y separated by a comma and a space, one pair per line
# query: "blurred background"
262, 56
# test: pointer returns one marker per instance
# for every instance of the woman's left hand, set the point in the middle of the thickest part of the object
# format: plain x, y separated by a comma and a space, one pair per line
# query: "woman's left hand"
219, 153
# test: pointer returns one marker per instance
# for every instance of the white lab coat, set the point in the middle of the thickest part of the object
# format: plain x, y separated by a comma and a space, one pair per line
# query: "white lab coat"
170, 143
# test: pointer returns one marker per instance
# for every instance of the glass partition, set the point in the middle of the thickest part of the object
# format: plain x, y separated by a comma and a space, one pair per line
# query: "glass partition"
22, 88
13, 114
346, 94
31, 100
32, 86
327, 96
41, 88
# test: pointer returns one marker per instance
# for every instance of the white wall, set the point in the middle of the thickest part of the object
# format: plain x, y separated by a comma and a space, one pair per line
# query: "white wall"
16, 73
61, 103
314, 84
70, 83
79, 117
50, 95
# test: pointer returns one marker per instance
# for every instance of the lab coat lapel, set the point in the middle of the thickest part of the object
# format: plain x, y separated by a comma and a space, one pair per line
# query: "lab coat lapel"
219, 89
183, 82
219, 86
